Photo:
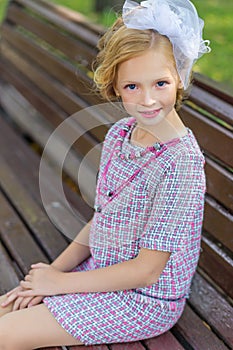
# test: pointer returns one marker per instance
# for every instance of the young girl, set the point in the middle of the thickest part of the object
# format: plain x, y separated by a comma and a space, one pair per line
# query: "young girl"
132, 280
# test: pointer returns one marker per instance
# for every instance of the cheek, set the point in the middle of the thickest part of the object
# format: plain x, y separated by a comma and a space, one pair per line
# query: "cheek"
169, 99
129, 107
128, 102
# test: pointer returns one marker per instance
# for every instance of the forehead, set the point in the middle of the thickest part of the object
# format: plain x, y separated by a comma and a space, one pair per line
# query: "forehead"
150, 65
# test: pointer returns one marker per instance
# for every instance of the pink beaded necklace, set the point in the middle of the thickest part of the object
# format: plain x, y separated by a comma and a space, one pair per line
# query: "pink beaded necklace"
156, 149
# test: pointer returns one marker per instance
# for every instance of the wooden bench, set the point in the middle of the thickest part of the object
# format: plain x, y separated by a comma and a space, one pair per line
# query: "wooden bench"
45, 72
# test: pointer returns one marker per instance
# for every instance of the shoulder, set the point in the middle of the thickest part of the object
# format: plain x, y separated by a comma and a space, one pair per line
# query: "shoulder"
183, 163
186, 152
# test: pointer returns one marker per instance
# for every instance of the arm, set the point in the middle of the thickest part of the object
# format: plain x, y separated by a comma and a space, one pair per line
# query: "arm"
76, 252
141, 271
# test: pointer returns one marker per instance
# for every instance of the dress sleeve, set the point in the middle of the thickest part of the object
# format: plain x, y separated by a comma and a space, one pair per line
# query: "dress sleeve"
177, 208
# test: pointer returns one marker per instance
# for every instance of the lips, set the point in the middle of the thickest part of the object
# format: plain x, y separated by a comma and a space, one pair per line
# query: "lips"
150, 114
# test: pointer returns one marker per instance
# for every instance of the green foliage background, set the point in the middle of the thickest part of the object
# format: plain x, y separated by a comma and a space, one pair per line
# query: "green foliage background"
218, 16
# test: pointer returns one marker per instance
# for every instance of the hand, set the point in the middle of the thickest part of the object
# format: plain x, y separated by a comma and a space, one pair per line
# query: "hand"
18, 301
43, 279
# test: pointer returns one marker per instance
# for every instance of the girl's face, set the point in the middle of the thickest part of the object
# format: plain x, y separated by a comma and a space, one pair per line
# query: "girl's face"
148, 86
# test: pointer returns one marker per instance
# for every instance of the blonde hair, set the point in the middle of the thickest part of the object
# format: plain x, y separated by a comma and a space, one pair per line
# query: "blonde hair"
120, 44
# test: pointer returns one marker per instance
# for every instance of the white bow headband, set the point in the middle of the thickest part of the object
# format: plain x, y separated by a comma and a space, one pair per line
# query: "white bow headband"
176, 19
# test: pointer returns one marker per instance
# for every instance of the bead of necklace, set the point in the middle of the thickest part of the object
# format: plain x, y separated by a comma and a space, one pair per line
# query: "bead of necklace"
134, 155
156, 149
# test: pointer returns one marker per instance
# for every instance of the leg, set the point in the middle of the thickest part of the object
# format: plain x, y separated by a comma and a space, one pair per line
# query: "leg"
32, 328
4, 310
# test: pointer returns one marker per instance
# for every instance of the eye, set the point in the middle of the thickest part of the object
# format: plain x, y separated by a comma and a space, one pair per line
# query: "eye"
130, 86
161, 83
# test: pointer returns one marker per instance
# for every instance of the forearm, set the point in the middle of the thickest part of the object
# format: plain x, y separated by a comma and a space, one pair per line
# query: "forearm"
112, 278
141, 271
75, 253
135, 273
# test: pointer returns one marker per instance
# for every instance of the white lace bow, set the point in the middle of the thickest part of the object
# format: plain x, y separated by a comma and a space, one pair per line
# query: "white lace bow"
179, 21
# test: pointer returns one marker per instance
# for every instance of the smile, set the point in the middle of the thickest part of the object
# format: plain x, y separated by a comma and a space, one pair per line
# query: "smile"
150, 114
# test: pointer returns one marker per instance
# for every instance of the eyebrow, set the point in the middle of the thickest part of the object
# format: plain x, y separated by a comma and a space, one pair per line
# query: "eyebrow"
136, 82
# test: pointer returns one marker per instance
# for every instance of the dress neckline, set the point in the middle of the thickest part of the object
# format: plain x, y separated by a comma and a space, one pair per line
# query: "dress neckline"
174, 141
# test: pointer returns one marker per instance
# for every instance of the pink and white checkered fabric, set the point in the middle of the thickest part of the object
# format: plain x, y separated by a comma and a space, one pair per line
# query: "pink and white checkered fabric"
161, 209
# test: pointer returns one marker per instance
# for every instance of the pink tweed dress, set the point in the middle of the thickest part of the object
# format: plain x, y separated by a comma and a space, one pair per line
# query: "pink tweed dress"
161, 208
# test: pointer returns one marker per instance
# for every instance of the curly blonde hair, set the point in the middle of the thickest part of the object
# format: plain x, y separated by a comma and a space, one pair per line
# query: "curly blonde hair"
120, 44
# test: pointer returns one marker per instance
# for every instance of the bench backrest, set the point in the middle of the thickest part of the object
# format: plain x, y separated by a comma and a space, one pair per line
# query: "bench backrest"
46, 57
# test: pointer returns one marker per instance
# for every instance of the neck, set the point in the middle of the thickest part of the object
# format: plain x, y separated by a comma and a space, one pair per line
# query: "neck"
168, 129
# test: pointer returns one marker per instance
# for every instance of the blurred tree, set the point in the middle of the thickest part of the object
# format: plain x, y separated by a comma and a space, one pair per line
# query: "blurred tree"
101, 5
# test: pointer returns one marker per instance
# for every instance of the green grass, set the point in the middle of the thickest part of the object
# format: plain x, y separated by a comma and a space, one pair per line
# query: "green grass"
3, 4
218, 16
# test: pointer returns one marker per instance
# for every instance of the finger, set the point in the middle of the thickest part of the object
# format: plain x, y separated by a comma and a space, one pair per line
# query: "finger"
17, 303
24, 285
12, 291
39, 265
28, 278
35, 301
9, 299
27, 293
24, 303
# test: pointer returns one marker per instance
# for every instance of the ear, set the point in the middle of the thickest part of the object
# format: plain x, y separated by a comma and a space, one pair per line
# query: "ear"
117, 93
180, 85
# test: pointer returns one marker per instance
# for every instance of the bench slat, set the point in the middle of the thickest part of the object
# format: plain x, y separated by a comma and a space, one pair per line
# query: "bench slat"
73, 16
219, 222
127, 346
216, 88
48, 238
219, 183
53, 89
217, 264
93, 347
190, 330
164, 342
73, 28
64, 43
52, 64
13, 103
214, 105
16, 237
17, 152
213, 308
41, 102
9, 278
213, 138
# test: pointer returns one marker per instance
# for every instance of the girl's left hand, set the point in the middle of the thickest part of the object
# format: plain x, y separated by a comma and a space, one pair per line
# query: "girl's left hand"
44, 280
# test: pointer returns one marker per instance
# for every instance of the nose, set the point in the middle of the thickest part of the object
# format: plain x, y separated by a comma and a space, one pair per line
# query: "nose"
147, 98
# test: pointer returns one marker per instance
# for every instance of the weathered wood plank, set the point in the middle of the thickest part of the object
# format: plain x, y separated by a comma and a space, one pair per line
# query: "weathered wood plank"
17, 154
9, 278
92, 347
207, 132
51, 62
212, 104
217, 264
164, 342
75, 50
195, 333
88, 36
216, 88
17, 239
218, 222
219, 183
213, 308
46, 235
127, 346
